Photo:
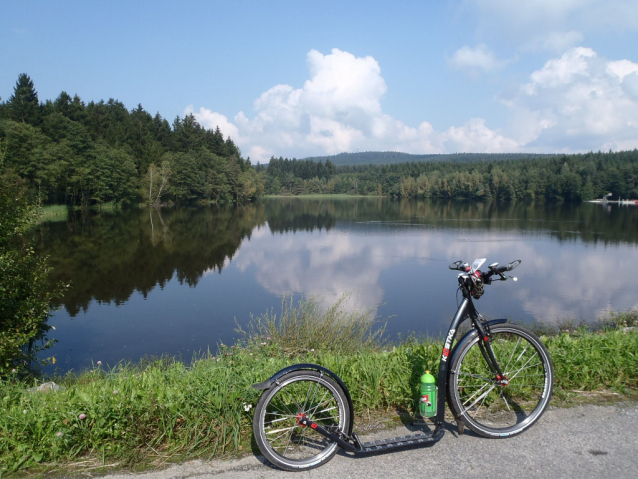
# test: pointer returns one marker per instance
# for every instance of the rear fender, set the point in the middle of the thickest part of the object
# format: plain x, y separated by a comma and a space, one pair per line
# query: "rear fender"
274, 379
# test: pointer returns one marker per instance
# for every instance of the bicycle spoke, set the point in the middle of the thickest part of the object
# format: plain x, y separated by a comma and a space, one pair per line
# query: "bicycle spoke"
281, 434
501, 405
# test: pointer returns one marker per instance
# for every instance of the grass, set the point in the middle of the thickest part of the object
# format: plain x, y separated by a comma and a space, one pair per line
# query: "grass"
303, 326
162, 410
53, 213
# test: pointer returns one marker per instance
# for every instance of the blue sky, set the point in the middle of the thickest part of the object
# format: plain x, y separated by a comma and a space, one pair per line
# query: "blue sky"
309, 78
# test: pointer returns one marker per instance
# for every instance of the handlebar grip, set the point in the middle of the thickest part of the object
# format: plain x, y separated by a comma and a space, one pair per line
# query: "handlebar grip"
507, 267
456, 265
513, 265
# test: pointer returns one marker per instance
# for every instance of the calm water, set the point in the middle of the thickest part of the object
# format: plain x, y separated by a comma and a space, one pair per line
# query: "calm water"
176, 281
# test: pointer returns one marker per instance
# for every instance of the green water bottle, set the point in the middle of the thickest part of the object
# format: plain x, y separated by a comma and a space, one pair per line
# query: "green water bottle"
427, 402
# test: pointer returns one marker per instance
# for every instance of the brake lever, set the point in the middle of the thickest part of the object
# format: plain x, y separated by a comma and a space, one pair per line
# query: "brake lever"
505, 278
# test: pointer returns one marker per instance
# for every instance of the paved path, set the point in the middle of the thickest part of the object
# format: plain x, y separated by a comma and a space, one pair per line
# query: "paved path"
581, 442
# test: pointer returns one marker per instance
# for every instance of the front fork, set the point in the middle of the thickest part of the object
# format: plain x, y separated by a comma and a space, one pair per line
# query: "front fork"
466, 309
485, 339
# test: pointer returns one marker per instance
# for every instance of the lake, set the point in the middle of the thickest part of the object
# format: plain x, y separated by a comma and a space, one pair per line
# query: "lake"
147, 282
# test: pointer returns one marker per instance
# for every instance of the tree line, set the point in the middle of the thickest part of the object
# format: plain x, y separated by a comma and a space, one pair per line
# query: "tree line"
390, 157
74, 153
575, 177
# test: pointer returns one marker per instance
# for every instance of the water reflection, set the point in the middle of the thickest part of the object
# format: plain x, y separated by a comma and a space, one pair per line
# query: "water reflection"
172, 281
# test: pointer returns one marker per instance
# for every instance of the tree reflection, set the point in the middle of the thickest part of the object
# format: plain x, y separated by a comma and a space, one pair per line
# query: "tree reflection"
107, 256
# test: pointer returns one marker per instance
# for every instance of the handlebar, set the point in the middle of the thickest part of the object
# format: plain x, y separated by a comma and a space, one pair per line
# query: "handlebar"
493, 268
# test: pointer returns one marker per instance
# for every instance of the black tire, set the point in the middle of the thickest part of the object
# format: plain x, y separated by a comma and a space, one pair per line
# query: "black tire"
492, 408
281, 439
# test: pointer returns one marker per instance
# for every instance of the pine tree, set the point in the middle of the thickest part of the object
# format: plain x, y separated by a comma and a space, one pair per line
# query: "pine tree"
23, 104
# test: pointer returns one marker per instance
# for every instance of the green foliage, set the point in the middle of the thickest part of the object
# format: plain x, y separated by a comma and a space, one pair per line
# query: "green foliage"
567, 178
129, 413
77, 154
23, 104
24, 299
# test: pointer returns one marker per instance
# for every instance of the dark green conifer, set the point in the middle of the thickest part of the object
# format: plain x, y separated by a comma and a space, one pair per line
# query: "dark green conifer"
23, 104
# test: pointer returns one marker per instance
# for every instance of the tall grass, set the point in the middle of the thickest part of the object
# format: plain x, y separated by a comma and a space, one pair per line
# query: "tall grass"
162, 410
303, 326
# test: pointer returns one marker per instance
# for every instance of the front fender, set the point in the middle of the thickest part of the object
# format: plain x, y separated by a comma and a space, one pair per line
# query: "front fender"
267, 384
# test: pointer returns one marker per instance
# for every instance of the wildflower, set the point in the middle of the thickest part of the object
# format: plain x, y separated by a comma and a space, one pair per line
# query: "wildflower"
59, 434
25, 411
231, 362
82, 416
217, 359
268, 338
312, 350
247, 407
91, 370
14, 371
115, 392
99, 363
250, 354
263, 344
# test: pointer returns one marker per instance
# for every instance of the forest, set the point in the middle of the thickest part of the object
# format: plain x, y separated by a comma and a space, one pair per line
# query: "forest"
575, 177
390, 157
74, 153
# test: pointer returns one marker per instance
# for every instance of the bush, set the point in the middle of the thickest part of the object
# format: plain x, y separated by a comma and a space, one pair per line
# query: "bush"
24, 299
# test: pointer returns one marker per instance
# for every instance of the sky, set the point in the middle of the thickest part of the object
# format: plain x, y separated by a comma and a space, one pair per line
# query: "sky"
299, 79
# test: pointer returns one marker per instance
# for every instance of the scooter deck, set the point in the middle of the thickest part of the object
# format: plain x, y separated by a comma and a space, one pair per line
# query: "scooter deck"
401, 442
354, 445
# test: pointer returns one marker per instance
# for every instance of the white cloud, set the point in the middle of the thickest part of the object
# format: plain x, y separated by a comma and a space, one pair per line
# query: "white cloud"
474, 136
474, 60
338, 109
575, 102
555, 41
581, 102
211, 119
566, 19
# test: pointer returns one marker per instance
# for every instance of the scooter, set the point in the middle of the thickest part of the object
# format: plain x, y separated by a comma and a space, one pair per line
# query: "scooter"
497, 380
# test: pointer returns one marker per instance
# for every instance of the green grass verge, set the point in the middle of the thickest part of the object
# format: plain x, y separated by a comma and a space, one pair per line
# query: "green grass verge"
163, 410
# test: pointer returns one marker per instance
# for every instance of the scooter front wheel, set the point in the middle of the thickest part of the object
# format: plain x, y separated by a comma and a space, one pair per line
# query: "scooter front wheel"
501, 406
280, 436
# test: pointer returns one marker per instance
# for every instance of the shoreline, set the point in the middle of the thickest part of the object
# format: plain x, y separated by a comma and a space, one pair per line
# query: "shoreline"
135, 414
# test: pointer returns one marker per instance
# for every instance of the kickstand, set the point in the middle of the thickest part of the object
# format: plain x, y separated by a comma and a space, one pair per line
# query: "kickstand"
460, 425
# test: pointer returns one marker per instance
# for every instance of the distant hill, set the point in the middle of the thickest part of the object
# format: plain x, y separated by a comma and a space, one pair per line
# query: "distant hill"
390, 157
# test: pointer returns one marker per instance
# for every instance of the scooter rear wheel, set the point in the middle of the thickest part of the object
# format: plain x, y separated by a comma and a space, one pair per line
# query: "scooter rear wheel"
278, 433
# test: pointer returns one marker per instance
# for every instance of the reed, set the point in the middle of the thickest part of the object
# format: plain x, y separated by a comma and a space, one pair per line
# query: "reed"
303, 326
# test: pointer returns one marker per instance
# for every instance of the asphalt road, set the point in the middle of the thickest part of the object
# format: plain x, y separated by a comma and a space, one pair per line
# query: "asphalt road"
581, 442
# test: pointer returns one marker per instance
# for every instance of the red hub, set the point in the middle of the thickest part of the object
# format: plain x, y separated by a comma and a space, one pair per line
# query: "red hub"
299, 417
